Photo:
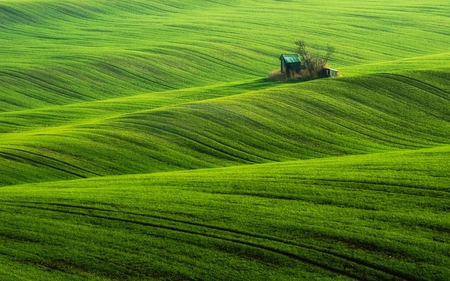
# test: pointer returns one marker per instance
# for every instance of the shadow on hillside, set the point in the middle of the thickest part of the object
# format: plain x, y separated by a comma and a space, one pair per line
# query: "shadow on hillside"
278, 76
302, 76
254, 85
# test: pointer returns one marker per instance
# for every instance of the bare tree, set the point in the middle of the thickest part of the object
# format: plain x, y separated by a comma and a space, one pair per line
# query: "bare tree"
314, 63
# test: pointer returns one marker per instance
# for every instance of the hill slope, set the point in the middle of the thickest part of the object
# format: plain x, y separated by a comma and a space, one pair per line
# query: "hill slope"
371, 217
56, 53
308, 120
107, 107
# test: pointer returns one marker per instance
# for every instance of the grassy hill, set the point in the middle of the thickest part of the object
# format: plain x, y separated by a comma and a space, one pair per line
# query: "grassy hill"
141, 140
56, 53
380, 216
175, 130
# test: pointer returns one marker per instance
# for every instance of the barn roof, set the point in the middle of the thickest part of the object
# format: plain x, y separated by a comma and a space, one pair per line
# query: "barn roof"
290, 58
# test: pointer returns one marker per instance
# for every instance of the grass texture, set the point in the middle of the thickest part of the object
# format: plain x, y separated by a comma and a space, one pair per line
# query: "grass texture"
365, 217
149, 133
141, 140
56, 53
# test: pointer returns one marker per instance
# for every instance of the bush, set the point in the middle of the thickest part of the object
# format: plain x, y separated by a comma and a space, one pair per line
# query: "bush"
277, 75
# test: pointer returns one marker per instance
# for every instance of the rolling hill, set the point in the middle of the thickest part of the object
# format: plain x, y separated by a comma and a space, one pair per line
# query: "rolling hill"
141, 140
145, 134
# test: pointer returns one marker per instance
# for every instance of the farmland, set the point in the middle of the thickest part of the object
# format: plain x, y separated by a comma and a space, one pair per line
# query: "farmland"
142, 140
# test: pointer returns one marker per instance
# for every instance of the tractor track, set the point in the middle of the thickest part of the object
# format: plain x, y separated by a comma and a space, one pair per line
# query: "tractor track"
202, 143
50, 162
18, 158
375, 272
420, 84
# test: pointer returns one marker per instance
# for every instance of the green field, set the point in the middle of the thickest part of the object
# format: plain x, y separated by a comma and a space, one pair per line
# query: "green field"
142, 140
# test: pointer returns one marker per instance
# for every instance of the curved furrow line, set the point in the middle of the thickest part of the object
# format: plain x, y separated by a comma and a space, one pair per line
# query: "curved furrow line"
441, 95
288, 122
116, 69
15, 158
371, 132
265, 137
157, 156
207, 133
367, 122
410, 81
376, 272
394, 105
423, 85
198, 141
421, 187
57, 162
383, 269
10, 14
206, 56
49, 86
353, 126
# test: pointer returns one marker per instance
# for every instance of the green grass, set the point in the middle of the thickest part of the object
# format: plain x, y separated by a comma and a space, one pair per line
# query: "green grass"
378, 216
141, 140
60, 53
174, 130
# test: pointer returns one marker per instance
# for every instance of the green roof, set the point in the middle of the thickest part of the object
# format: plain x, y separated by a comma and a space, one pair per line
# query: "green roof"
290, 58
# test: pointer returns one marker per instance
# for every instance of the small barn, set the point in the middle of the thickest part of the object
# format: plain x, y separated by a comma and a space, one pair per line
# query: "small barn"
329, 72
290, 63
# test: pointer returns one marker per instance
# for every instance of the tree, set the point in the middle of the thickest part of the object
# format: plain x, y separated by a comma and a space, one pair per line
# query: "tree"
314, 63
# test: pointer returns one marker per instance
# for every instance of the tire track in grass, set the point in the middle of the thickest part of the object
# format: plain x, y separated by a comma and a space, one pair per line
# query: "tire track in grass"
38, 162
229, 150
336, 116
436, 96
117, 70
391, 115
363, 268
69, 93
57, 161
200, 143
421, 85
233, 153
377, 135
15, 157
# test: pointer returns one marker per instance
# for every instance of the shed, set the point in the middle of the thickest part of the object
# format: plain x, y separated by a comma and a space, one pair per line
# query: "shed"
329, 72
290, 63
